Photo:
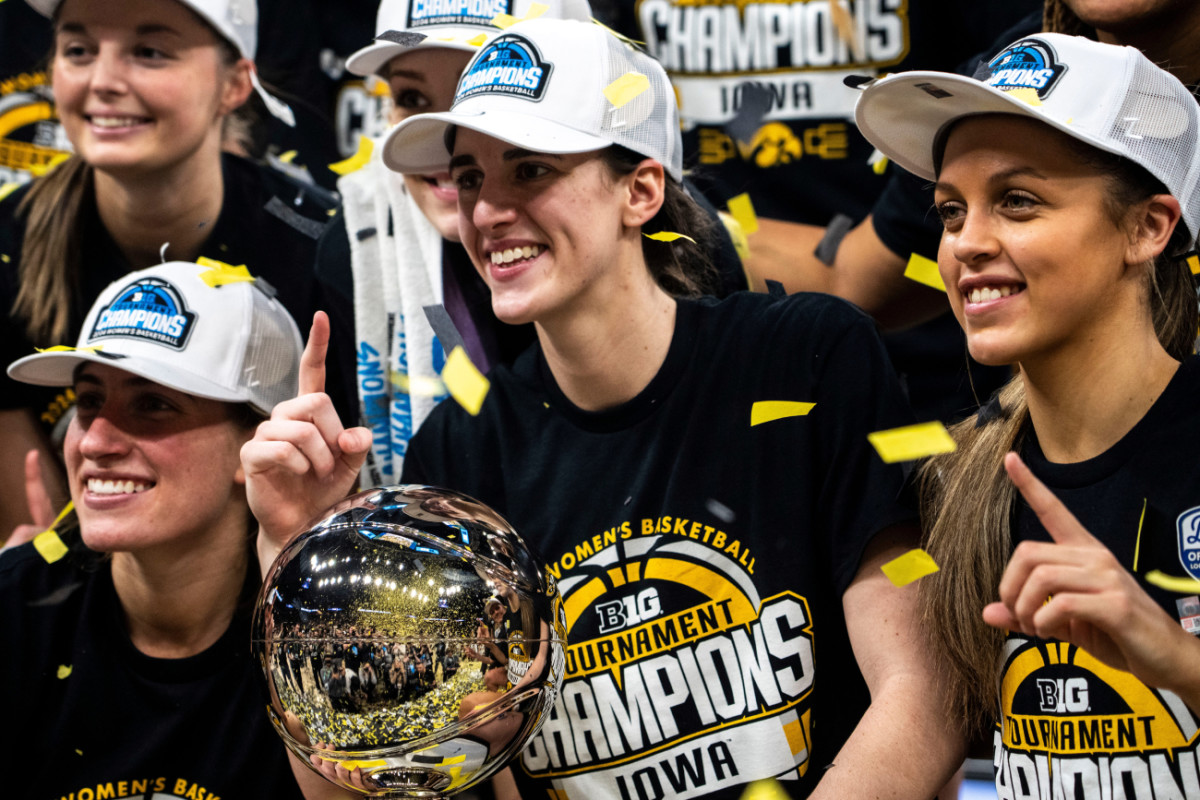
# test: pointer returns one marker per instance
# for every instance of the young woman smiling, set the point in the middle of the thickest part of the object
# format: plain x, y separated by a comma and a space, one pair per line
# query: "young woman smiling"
1066, 179
716, 538
144, 90
135, 666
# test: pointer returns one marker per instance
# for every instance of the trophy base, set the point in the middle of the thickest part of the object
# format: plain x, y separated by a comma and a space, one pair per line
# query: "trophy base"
416, 782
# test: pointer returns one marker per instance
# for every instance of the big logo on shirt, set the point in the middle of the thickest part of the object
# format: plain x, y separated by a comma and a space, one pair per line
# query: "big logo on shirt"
1072, 727
680, 679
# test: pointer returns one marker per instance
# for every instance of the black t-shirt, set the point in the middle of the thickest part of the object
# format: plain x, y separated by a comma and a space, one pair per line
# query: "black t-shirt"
1068, 721
701, 559
268, 222
804, 161
30, 135
89, 715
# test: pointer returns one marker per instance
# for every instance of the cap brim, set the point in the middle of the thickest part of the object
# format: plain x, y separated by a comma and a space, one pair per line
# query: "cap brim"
418, 144
58, 369
369, 60
904, 114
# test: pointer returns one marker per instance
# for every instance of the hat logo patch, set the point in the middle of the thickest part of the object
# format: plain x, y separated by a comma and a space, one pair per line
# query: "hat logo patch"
1028, 64
149, 309
456, 12
1188, 527
509, 65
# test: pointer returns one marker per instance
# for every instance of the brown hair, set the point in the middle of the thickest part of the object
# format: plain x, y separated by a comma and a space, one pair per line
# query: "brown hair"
681, 268
52, 253
968, 503
1057, 17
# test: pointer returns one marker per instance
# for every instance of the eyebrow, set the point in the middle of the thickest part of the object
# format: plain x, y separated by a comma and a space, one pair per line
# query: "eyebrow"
147, 29
1000, 177
406, 73
466, 159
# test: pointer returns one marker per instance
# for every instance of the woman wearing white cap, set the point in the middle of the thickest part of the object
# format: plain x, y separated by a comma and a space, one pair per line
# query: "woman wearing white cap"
696, 473
1067, 181
131, 672
144, 90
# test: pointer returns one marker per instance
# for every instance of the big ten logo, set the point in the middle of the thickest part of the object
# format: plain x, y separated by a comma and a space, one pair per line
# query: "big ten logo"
1063, 695
775, 144
629, 610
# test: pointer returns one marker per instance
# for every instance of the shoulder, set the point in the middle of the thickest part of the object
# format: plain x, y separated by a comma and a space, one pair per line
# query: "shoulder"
302, 206
820, 320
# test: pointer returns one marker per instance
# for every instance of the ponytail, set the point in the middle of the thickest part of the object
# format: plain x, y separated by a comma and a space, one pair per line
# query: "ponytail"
52, 254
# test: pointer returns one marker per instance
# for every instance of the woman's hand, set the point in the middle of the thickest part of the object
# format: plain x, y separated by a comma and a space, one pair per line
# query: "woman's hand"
1075, 590
301, 461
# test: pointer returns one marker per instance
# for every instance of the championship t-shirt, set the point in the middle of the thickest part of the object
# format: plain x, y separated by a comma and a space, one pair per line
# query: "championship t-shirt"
1070, 726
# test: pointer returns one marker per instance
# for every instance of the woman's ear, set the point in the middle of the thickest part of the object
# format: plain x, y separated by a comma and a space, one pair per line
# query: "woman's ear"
1151, 226
238, 86
647, 189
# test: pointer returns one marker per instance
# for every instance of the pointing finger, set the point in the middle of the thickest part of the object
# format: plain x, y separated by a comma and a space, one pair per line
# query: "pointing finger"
312, 362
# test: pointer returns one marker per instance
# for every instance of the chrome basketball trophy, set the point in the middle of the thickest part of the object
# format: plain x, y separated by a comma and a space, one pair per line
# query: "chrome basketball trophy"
410, 641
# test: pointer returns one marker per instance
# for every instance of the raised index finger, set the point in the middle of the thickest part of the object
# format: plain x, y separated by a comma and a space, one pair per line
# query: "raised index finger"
1055, 517
312, 362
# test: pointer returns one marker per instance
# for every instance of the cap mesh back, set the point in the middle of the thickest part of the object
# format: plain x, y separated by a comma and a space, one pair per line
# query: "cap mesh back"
271, 362
1158, 126
639, 124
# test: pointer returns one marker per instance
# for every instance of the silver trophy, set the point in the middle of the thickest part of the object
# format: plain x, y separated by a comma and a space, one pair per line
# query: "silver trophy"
410, 641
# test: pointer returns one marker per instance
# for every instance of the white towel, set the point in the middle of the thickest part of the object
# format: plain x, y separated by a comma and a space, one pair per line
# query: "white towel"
395, 277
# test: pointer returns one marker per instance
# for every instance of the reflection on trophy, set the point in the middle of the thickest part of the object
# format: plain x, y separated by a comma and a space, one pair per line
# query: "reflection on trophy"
410, 641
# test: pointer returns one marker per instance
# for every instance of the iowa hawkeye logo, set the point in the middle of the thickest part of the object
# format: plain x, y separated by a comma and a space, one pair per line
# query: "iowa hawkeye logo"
680, 679
1074, 728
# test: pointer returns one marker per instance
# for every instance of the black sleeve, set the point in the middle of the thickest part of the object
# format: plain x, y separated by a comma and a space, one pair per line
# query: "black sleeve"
860, 495
333, 286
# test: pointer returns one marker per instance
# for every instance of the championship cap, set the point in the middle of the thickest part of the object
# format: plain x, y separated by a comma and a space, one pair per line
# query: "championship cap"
541, 85
1108, 96
402, 25
232, 342
236, 21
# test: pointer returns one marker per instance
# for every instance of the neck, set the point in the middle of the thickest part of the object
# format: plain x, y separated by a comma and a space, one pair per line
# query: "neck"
605, 354
1080, 407
1171, 39
179, 604
142, 212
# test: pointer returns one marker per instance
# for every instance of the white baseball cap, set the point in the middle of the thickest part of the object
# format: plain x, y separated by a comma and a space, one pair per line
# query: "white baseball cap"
540, 85
236, 21
1111, 97
402, 25
232, 342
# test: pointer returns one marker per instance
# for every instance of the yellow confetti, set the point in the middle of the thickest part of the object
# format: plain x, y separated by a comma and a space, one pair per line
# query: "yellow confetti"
771, 410
844, 23
64, 348
912, 442
924, 270
356, 161
765, 789
536, 10
667, 236
734, 228
50, 545
912, 566
477, 41
879, 165
743, 211
1193, 263
625, 88
351, 764
5, 258
77, 750
287, 157
377, 87
465, 383
64, 670
8, 189
504, 20
1172, 584
1026, 94
219, 273
419, 385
